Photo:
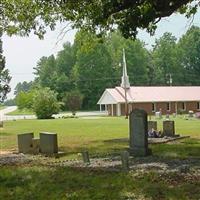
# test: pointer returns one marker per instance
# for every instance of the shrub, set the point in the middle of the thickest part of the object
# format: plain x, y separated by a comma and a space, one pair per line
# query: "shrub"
45, 103
25, 100
73, 101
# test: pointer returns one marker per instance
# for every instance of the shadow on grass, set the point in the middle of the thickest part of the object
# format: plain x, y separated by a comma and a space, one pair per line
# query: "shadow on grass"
181, 149
74, 184
100, 147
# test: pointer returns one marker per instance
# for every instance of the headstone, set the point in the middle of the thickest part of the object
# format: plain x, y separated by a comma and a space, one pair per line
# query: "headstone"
125, 160
152, 125
138, 133
191, 113
25, 142
168, 128
35, 145
85, 156
157, 115
48, 143
167, 116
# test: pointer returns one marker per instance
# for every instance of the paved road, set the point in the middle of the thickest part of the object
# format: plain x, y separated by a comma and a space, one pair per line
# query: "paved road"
6, 110
5, 117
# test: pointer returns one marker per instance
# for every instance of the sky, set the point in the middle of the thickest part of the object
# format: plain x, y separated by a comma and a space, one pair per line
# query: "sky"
23, 53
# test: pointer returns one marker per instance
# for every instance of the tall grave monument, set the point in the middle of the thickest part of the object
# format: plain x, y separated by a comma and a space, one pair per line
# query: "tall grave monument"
138, 130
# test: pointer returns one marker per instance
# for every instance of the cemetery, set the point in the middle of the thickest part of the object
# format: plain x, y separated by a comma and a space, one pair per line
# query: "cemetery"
72, 154
68, 59
118, 146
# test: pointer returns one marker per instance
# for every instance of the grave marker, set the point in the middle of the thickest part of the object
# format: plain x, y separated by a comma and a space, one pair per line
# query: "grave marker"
125, 160
85, 156
138, 133
25, 142
152, 125
48, 143
168, 128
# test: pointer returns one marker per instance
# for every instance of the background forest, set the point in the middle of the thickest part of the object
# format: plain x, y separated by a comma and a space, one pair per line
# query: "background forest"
91, 64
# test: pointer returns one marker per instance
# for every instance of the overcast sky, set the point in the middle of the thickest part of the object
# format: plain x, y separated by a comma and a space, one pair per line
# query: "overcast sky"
22, 54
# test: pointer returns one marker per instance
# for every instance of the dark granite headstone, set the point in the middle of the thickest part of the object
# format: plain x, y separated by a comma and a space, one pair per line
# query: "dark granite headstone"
48, 143
138, 133
152, 125
168, 128
25, 142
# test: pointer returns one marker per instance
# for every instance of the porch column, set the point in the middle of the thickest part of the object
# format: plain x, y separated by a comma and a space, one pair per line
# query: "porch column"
100, 107
176, 107
106, 107
118, 109
112, 113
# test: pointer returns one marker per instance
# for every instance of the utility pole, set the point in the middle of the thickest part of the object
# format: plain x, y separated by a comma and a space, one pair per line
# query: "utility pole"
170, 79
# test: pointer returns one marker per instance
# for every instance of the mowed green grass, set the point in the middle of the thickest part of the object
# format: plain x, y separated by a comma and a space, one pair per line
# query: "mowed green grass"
103, 134
63, 183
21, 112
72, 133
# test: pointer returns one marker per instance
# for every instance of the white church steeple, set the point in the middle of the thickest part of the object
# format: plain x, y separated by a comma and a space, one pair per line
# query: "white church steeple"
125, 80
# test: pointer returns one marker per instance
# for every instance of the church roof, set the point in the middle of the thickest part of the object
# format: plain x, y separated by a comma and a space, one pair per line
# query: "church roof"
139, 94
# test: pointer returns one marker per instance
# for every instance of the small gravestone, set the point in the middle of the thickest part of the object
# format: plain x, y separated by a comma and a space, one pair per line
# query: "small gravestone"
48, 143
167, 116
1, 124
125, 160
25, 142
168, 128
35, 145
157, 115
152, 125
191, 113
138, 133
160, 113
85, 156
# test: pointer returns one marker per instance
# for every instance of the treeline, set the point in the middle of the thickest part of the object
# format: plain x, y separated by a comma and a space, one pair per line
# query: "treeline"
91, 64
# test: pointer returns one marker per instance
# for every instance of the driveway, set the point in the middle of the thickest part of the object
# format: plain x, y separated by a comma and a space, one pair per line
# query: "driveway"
4, 117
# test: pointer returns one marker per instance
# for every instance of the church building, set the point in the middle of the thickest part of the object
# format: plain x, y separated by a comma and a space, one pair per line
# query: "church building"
168, 99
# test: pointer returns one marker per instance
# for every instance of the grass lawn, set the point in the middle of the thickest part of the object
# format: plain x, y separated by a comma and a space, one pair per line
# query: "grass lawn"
2, 107
96, 135
102, 135
21, 112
